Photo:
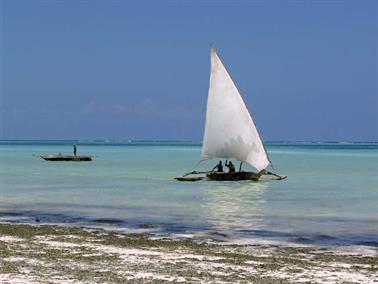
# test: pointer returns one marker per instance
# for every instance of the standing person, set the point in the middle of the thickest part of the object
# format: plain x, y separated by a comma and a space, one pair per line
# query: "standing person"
74, 148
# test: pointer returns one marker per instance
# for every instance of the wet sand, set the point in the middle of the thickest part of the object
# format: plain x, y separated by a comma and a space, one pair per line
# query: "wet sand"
52, 254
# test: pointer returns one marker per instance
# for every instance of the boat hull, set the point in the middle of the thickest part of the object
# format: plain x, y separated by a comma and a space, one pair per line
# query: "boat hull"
59, 158
234, 176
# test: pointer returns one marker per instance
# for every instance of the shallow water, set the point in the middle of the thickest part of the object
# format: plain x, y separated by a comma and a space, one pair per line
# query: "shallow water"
330, 195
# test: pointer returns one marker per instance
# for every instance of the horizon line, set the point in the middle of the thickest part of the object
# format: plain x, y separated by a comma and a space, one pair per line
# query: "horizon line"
186, 140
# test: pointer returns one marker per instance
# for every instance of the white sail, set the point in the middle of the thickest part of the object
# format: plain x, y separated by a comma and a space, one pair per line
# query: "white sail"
229, 130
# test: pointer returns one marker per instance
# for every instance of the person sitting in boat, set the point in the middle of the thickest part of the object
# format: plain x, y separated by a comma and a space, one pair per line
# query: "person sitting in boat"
219, 167
74, 148
230, 166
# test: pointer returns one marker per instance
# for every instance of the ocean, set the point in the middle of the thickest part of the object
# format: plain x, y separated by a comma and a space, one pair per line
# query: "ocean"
329, 197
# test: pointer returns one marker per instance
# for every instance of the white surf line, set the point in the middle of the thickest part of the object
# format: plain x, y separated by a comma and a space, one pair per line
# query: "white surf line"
10, 239
149, 275
18, 278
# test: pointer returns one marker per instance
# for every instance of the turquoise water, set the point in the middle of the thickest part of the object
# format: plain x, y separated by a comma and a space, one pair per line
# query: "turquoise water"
330, 195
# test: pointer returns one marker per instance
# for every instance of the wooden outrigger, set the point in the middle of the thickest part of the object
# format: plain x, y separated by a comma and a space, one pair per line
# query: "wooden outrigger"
222, 176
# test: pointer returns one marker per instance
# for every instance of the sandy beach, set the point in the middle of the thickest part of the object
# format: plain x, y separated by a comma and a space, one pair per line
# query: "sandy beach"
52, 254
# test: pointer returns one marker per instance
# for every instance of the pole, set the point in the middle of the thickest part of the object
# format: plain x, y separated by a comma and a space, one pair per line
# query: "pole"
240, 167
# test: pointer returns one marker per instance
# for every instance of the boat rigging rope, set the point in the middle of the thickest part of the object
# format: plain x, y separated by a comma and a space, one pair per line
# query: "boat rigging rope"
195, 172
278, 176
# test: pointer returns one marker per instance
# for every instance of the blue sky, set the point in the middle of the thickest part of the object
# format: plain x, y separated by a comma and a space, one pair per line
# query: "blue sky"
140, 69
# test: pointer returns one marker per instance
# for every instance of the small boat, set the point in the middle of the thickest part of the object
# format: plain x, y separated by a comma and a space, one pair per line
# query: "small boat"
230, 131
66, 158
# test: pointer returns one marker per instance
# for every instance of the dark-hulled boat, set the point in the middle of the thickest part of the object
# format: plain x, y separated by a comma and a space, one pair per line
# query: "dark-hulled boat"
67, 158
234, 176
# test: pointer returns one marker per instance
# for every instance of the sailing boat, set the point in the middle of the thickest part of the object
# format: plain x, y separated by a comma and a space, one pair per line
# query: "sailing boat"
230, 131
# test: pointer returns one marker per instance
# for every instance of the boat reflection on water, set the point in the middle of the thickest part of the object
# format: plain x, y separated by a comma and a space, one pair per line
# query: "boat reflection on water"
233, 208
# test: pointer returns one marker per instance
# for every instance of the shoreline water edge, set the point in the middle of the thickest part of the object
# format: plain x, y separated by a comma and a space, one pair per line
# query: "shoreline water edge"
57, 254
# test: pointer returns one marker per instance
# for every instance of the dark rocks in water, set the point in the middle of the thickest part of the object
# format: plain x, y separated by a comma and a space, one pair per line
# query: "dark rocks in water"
369, 243
220, 234
323, 238
109, 221
148, 226
37, 219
